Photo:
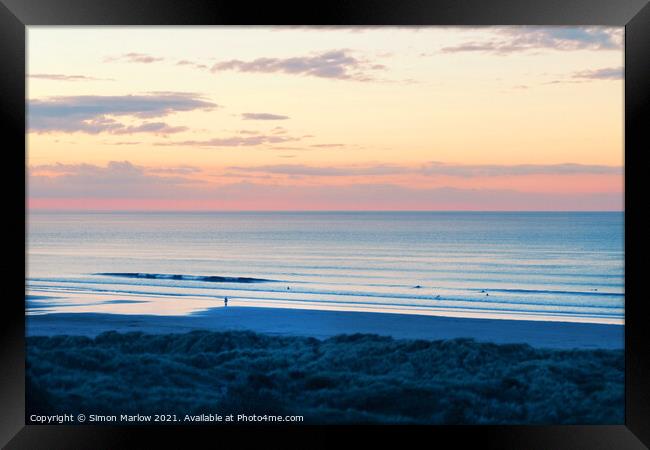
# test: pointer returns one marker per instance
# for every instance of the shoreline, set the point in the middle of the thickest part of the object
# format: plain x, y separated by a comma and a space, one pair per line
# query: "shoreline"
323, 324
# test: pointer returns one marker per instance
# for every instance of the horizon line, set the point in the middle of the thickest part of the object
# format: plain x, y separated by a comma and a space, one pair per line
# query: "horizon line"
27, 210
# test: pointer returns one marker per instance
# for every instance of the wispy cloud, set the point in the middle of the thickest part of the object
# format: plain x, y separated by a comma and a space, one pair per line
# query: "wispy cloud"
586, 76
124, 180
185, 62
299, 169
327, 145
148, 127
488, 170
233, 141
114, 167
433, 169
263, 116
132, 57
116, 179
123, 143
607, 73
62, 77
130, 183
509, 40
179, 170
95, 113
335, 64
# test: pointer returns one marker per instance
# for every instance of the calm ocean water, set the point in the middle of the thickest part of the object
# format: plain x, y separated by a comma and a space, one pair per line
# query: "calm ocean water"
545, 266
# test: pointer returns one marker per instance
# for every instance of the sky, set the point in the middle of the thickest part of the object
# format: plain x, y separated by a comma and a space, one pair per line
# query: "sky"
325, 118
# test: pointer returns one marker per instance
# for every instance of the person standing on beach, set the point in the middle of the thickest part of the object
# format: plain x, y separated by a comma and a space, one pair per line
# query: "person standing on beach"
225, 301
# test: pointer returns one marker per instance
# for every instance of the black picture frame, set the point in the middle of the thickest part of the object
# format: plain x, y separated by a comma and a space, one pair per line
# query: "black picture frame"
634, 15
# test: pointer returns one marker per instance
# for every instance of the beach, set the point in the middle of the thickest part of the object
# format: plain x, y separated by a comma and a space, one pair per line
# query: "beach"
323, 324
324, 367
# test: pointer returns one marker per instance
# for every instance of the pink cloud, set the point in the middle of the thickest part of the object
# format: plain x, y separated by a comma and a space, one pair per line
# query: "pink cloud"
122, 185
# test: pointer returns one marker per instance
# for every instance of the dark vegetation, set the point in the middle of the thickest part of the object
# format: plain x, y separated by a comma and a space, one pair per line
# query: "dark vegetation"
344, 379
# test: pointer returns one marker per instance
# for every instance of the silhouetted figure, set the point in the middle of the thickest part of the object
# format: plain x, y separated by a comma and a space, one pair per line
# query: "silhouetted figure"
225, 301
288, 288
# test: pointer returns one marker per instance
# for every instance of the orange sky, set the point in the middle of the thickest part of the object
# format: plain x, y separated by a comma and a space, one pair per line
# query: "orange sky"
499, 118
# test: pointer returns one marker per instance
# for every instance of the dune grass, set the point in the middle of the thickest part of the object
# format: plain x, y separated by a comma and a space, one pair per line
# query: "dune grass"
343, 379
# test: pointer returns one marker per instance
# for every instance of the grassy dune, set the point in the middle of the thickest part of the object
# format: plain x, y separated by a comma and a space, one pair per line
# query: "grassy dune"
344, 379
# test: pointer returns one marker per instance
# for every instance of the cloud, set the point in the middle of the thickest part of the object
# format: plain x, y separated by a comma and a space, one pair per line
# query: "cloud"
61, 77
334, 64
185, 62
123, 143
586, 76
180, 170
233, 141
94, 113
487, 170
299, 169
116, 179
287, 147
522, 39
393, 197
141, 58
607, 73
149, 127
263, 116
112, 167
327, 145
171, 188
434, 169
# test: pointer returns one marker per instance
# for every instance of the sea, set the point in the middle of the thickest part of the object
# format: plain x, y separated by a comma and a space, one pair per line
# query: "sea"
549, 266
